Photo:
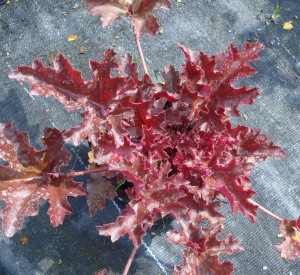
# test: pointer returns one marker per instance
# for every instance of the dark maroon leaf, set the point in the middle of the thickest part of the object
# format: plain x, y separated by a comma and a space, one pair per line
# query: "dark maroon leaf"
98, 191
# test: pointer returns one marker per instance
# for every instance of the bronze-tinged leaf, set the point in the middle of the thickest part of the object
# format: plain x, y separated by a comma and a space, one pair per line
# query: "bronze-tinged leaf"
290, 246
206, 260
109, 9
32, 176
142, 19
139, 11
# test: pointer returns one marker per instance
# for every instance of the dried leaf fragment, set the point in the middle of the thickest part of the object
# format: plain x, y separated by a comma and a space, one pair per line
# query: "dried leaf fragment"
82, 50
24, 240
72, 37
50, 59
288, 25
295, 234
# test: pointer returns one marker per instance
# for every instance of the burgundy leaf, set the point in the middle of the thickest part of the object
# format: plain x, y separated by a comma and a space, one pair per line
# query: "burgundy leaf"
254, 145
63, 82
99, 96
219, 73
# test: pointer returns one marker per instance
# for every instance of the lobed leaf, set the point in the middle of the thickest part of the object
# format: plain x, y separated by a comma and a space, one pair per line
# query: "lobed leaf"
206, 260
32, 176
219, 73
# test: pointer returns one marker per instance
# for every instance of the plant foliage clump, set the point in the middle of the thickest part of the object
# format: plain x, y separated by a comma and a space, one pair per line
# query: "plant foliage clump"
172, 140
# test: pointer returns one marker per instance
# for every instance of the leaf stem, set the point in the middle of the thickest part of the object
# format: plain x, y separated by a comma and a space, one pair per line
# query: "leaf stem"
81, 173
129, 262
138, 44
131, 257
266, 211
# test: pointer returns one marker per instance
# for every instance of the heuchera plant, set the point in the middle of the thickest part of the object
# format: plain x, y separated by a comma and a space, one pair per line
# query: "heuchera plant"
172, 141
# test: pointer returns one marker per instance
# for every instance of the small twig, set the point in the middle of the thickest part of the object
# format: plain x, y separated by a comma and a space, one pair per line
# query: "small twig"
137, 41
266, 211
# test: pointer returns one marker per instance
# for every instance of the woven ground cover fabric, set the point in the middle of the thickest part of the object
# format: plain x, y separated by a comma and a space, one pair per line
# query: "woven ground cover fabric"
40, 29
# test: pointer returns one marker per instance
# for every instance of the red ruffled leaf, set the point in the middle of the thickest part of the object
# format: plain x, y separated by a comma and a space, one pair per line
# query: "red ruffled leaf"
157, 200
290, 246
57, 191
63, 82
33, 176
219, 73
99, 96
254, 145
